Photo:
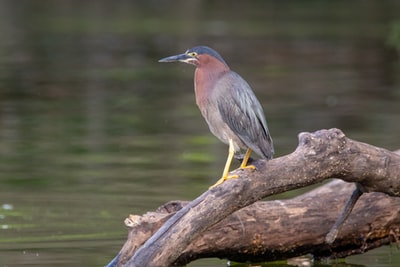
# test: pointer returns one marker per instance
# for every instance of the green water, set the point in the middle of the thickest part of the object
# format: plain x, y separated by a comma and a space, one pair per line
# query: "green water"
92, 128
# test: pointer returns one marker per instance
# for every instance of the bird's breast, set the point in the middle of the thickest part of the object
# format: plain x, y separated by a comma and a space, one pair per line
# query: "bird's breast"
208, 95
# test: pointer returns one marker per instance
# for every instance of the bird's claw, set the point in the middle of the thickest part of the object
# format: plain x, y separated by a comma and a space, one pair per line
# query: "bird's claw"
252, 167
233, 176
223, 179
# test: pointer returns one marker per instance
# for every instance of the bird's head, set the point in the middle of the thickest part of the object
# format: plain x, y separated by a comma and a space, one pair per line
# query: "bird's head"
197, 56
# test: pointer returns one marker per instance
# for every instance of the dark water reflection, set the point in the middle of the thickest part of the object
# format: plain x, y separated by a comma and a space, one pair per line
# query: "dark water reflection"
92, 128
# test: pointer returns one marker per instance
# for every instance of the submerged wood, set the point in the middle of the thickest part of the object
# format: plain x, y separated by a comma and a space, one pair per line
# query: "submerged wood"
321, 155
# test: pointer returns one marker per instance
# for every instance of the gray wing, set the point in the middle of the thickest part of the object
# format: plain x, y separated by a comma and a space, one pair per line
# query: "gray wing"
243, 113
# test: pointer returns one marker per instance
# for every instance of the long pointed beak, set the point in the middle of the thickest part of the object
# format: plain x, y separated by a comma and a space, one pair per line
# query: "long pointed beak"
180, 57
185, 58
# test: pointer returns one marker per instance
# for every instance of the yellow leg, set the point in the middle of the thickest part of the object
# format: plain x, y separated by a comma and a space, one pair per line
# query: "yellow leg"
246, 159
227, 166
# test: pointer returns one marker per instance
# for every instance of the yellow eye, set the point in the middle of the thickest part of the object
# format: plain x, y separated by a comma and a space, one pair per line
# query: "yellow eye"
192, 54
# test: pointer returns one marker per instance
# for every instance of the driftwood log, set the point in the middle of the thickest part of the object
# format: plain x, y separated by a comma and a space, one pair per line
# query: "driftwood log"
209, 226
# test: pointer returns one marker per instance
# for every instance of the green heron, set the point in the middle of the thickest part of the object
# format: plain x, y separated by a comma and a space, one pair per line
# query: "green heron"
229, 106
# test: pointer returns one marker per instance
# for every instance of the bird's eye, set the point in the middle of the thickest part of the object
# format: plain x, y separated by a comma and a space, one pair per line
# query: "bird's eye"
192, 54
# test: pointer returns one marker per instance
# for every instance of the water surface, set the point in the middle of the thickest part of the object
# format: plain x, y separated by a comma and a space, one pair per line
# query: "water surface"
93, 128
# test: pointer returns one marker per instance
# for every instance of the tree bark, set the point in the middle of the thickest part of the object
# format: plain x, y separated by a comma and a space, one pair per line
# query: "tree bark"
322, 155
280, 229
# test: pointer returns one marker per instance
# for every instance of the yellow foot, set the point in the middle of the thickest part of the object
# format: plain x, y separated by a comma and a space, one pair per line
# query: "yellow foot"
248, 167
223, 179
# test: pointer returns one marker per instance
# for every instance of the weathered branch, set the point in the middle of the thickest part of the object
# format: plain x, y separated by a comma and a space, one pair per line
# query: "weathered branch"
273, 230
348, 208
319, 156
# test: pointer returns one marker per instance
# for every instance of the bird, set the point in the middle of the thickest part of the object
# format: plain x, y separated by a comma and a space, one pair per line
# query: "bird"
229, 106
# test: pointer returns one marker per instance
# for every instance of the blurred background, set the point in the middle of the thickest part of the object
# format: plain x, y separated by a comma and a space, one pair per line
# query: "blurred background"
93, 128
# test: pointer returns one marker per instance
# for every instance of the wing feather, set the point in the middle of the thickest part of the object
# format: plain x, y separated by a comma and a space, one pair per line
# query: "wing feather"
243, 113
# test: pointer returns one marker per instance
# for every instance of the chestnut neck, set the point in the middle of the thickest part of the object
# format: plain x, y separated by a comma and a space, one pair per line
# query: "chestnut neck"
208, 71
